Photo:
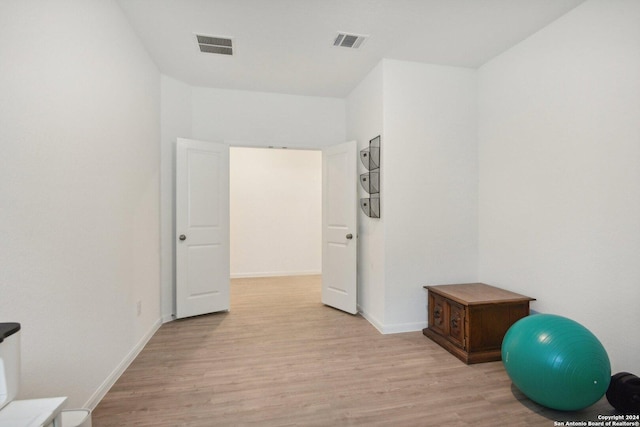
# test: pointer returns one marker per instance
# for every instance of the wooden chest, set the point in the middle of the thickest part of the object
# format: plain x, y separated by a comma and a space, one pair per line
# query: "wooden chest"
470, 320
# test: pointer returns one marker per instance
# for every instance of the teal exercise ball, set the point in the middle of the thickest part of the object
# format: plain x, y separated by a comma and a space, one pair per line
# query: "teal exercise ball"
556, 362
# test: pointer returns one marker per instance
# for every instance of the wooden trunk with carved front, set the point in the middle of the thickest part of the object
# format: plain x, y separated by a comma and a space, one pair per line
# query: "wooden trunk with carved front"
470, 320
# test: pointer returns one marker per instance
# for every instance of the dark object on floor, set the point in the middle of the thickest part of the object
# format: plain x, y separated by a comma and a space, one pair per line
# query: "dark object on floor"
624, 393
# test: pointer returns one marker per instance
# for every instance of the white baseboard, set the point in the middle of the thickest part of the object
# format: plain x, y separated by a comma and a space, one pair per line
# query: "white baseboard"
374, 322
398, 328
392, 328
106, 385
275, 274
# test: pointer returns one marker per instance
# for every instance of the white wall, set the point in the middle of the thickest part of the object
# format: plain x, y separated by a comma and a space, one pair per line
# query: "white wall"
264, 119
559, 143
364, 122
427, 233
79, 203
276, 212
430, 183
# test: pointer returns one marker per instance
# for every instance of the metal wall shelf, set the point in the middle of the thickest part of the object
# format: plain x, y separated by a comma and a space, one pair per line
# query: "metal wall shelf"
370, 181
370, 206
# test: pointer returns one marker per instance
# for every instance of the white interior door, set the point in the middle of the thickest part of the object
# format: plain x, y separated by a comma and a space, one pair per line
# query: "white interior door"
202, 227
339, 226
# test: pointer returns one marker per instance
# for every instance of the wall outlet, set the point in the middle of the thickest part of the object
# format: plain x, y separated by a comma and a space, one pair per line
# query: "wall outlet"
139, 308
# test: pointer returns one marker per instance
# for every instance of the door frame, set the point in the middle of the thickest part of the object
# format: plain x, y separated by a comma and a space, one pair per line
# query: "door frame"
232, 143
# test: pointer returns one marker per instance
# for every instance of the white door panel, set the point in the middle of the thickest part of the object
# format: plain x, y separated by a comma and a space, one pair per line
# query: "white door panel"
202, 227
339, 226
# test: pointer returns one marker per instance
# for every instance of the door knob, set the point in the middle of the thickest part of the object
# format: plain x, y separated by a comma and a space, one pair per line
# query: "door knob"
182, 237
349, 236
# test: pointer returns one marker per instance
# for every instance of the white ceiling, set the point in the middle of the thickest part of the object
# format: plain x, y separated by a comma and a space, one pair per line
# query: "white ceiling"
286, 46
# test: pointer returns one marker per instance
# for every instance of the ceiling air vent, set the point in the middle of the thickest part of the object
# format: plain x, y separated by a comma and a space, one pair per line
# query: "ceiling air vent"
352, 41
220, 45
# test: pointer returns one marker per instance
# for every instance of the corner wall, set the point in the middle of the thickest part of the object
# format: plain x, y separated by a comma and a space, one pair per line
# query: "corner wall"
79, 186
431, 185
559, 172
175, 123
364, 122
427, 233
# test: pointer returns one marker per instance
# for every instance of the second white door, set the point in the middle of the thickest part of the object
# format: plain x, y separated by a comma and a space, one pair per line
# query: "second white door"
339, 226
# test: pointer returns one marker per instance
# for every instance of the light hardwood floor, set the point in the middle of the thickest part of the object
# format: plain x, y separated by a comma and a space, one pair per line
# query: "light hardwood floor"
281, 358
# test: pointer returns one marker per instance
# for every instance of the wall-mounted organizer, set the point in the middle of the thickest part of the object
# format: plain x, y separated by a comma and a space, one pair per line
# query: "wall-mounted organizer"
370, 156
370, 206
370, 180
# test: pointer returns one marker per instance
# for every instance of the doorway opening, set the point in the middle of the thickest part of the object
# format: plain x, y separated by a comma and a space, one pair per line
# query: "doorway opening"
275, 212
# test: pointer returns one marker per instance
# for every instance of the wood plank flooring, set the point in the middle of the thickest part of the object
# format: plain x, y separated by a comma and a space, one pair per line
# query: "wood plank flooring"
281, 358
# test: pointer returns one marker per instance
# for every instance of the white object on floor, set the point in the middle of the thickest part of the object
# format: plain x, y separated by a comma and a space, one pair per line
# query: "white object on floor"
33, 412
9, 362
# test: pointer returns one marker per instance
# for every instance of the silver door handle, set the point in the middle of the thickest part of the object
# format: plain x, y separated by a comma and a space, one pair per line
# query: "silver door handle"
182, 237
349, 236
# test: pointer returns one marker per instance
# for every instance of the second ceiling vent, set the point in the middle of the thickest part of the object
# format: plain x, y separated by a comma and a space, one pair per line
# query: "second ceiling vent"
212, 44
352, 41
